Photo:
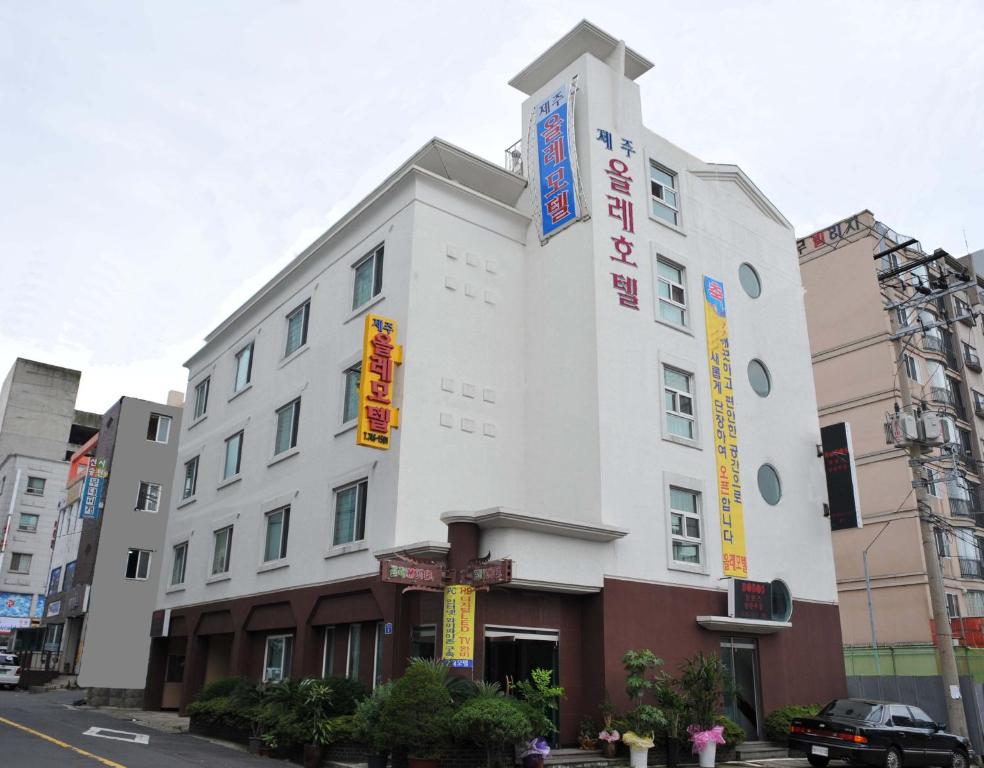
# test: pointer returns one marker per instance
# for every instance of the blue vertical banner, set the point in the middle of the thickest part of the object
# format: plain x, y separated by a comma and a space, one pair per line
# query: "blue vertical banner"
92, 488
554, 148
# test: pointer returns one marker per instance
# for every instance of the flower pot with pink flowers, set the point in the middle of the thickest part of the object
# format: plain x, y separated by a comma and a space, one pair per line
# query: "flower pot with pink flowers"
702, 680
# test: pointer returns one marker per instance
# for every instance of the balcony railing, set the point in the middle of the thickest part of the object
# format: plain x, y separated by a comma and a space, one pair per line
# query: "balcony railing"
961, 507
941, 395
514, 158
932, 344
971, 360
971, 568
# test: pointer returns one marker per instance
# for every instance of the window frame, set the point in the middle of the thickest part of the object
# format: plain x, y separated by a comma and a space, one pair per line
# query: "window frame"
246, 348
355, 368
181, 546
328, 653
286, 658
361, 487
193, 464
376, 256
284, 511
147, 496
682, 285
355, 629
305, 308
146, 561
201, 392
240, 436
654, 200
695, 486
377, 654
227, 556
665, 388
32, 490
911, 367
162, 419
20, 525
19, 557
295, 418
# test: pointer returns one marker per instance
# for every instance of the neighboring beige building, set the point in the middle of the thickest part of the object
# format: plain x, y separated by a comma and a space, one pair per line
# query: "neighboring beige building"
857, 380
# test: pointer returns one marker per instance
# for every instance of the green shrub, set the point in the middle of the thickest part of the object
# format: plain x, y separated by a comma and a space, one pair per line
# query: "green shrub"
342, 729
346, 693
492, 722
222, 711
541, 697
222, 687
415, 718
734, 734
777, 723
368, 720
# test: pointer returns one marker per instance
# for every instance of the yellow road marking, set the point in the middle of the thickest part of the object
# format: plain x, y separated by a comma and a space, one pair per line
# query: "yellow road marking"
62, 744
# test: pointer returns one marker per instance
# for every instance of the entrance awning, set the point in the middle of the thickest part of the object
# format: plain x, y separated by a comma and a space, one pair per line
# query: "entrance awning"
747, 626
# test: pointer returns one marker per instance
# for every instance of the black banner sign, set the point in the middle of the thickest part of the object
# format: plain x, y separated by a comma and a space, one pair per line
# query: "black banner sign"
752, 600
842, 484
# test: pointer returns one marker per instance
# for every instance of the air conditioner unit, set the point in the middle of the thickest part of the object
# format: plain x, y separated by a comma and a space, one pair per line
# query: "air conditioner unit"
930, 428
900, 429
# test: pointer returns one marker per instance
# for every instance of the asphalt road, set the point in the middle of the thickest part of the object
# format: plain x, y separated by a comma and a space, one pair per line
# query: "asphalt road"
44, 730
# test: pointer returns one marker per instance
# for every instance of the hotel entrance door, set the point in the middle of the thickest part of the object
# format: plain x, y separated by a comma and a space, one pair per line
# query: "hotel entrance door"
742, 697
511, 653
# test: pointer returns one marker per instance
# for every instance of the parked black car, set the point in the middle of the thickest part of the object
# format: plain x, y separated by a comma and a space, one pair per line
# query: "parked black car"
879, 733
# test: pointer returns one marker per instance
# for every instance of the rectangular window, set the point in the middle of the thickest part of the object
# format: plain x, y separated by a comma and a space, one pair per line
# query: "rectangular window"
20, 562
149, 497
685, 526
354, 643
137, 564
978, 400
159, 427
244, 367
350, 408
201, 397
277, 658
233, 455
221, 550
190, 478
54, 581
35, 486
942, 542
350, 513
297, 328
962, 307
368, 278
902, 316
174, 670
931, 483
679, 402
952, 606
671, 290
423, 642
288, 419
911, 370
69, 580
277, 525
178, 563
663, 193
27, 522
974, 600
377, 658
328, 660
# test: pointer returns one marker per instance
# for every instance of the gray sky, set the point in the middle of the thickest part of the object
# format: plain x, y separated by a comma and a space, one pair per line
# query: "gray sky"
161, 160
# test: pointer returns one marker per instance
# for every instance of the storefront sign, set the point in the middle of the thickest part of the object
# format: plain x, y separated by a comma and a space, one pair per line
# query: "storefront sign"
559, 193
750, 600
159, 622
459, 625
725, 431
7, 625
14, 604
92, 488
625, 282
842, 479
54, 608
380, 356
486, 574
412, 573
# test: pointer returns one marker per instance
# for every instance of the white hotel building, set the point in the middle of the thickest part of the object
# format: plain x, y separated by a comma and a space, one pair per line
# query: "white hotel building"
544, 416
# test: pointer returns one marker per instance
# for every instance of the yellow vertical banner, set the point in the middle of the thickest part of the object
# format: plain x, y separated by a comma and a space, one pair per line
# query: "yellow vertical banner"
459, 625
724, 425
380, 356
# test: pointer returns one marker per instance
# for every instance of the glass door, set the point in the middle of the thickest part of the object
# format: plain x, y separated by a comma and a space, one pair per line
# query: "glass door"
742, 698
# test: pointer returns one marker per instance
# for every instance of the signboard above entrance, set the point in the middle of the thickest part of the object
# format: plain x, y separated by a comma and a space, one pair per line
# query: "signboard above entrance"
412, 573
486, 574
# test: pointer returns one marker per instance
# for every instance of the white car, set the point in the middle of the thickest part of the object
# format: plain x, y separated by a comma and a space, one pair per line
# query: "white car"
10, 670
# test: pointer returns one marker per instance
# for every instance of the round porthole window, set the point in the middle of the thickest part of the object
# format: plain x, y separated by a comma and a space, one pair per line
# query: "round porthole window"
758, 377
749, 280
769, 487
782, 601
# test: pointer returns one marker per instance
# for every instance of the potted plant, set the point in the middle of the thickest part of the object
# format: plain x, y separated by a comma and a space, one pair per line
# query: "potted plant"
368, 725
674, 709
639, 746
587, 737
415, 718
540, 697
609, 737
493, 722
702, 681
247, 698
315, 696
535, 752
644, 720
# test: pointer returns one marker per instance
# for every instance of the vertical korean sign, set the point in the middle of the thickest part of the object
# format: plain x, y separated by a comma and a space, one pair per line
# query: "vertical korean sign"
725, 431
459, 625
554, 145
92, 488
380, 356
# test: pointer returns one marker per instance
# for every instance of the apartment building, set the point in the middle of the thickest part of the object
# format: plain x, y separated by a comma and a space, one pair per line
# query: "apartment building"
857, 379
39, 429
108, 549
561, 403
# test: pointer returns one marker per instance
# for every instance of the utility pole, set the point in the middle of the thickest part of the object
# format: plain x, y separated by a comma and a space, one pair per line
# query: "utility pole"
871, 605
943, 637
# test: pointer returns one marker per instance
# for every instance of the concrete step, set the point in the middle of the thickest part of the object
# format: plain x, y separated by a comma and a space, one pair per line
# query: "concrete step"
761, 750
579, 758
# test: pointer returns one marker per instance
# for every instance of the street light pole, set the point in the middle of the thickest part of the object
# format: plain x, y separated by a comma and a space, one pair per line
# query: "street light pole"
871, 607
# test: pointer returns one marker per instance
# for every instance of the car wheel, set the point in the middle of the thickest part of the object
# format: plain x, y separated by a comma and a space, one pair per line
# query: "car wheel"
958, 759
893, 758
821, 762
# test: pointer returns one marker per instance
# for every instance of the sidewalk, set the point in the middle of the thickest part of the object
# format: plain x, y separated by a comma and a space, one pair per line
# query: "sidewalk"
167, 722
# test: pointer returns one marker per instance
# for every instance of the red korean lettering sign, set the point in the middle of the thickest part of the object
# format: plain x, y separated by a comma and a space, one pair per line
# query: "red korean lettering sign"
378, 414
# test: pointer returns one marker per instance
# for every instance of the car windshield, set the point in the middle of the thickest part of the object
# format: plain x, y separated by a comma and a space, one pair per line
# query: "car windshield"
7, 659
853, 710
